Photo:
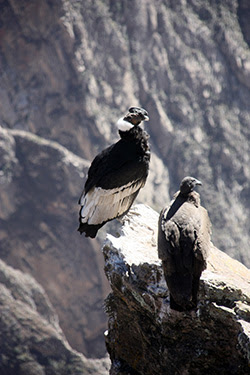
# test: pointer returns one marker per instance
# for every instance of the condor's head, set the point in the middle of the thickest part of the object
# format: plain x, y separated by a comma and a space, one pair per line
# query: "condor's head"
188, 184
133, 118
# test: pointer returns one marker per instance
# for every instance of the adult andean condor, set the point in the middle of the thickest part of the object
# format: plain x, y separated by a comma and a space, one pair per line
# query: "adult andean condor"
183, 244
116, 175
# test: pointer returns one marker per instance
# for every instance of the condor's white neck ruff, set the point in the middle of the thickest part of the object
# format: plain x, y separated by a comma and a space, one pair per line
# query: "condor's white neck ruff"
123, 125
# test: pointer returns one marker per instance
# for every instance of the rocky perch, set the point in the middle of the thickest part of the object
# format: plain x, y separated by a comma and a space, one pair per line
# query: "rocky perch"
145, 336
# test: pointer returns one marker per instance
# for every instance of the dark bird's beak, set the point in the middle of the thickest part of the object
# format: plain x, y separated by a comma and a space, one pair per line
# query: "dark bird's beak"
141, 112
198, 182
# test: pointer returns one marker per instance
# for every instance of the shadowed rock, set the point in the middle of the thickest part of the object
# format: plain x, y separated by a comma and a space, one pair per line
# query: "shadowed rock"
39, 188
31, 341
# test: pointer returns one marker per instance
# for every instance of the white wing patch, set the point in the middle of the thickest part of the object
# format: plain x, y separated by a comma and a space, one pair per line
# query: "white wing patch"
100, 205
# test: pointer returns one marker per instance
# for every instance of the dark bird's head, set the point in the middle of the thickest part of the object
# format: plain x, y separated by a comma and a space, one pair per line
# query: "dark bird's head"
188, 184
133, 118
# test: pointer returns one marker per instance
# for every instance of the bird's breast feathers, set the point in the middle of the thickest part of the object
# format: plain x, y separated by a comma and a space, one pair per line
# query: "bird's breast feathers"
188, 216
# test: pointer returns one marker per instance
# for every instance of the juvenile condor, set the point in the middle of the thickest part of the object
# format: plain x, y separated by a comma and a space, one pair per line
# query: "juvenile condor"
116, 175
183, 244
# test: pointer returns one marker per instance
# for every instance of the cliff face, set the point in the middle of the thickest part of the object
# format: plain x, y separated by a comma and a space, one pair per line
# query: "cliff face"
32, 343
68, 71
40, 184
145, 336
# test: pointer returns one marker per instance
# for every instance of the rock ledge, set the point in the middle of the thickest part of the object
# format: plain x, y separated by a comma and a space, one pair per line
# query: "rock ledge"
145, 336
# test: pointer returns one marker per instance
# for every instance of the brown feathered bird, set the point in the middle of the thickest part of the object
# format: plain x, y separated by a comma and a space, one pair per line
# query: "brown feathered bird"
116, 175
183, 244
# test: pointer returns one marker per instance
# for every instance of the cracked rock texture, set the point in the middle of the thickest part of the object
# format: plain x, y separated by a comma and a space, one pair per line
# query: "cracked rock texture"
68, 71
145, 336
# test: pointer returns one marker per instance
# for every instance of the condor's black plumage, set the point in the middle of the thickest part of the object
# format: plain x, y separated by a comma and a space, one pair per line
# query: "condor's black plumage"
116, 175
183, 244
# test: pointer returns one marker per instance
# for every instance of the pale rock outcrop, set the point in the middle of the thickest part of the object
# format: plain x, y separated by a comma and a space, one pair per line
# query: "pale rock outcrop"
145, 336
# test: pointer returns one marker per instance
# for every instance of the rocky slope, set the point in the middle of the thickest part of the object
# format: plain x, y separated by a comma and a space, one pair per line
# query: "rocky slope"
145, 336
68, 71
32, 343
40, 184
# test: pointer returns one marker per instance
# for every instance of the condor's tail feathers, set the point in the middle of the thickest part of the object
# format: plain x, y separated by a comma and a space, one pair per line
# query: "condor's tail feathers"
90, 230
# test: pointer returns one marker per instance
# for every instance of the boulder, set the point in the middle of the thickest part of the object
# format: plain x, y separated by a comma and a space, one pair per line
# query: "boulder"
145, 336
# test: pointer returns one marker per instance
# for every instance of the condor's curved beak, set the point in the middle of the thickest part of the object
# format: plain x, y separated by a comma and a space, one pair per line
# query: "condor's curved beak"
198, 182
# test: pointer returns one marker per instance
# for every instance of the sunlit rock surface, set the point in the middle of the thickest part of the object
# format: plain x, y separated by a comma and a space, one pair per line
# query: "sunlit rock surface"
145, 336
